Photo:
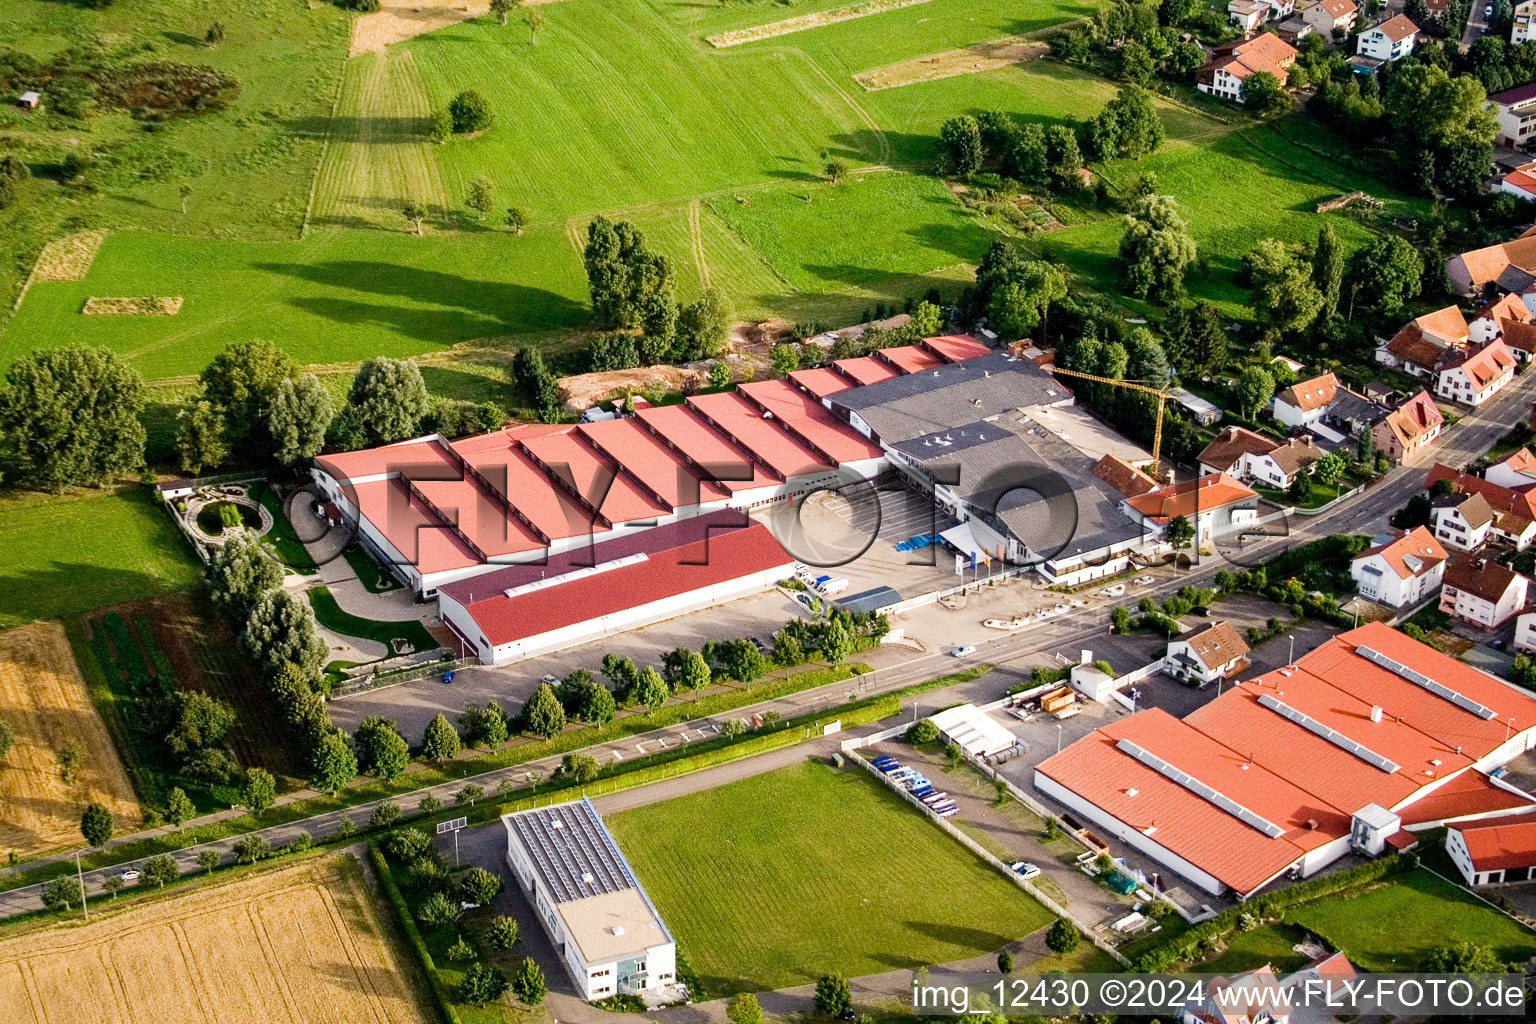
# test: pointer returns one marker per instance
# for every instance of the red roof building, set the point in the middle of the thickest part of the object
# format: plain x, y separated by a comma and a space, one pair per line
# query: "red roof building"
1494, 852
1269, 777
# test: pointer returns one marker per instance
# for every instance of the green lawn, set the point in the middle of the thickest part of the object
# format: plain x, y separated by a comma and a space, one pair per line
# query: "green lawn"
74, 554
249, 167
331, 615
1394, 926
337, 296
777, 879
1270, 944
825, 238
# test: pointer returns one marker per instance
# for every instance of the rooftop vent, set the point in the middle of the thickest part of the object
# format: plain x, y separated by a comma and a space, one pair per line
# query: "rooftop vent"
1375, 712
586, 876
617, 929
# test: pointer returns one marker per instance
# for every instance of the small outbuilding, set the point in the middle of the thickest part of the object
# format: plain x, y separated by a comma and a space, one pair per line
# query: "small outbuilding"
1494, 852
29, 100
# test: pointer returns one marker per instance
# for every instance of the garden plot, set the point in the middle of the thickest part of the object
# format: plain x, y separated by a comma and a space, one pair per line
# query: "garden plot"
967, 60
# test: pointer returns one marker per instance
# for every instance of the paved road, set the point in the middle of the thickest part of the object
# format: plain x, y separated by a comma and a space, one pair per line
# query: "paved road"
1366, 512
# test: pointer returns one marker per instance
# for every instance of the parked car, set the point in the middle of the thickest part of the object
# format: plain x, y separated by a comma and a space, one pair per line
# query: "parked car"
762, 648
962, 651
1024, 869
448, 676
552, 680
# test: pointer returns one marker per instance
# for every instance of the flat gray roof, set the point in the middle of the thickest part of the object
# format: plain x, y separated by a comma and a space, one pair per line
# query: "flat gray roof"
572, 851
916, 404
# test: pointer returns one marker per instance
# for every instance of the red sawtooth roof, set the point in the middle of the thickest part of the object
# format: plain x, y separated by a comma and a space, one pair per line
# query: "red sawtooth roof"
418, 533
1502, 843
658, 467
911, 358
956, 347
809, 421
680, 427
697, 563
736, 417
565, 454
1294, 777
499, 459
820, 381
866, 370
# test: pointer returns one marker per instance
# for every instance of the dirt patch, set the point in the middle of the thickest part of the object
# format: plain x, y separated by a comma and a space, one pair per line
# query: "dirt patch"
140, 305
585, 390
68, 258
967, 60
304, 943
44, 698
802, 22
398, 20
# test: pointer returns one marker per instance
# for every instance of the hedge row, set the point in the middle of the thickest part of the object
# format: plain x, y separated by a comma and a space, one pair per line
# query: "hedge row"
412, 933
1204, 936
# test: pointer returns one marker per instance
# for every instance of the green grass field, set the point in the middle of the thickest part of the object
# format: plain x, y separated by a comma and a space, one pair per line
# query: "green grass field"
336, 296
777, 879
331, 615
74, 554
1394, 926
622, 108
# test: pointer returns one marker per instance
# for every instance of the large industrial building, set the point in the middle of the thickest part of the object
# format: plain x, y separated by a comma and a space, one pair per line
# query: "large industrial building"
538, 537
609, 936
1364, 739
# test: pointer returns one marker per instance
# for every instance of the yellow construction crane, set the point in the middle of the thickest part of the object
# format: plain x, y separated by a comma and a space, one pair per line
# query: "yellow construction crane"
1162, 398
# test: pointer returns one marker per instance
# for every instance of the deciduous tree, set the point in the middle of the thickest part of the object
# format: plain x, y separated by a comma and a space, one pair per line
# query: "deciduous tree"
1280, 278
544, 716
239, 572
528, 983
70, 416
159, 871
280, 629
259, 791
200, 437
440, 741
333, 764
390, 397
242, 382
470, 112
96, 824
1156, 248
960, 139
178, 807
298, 419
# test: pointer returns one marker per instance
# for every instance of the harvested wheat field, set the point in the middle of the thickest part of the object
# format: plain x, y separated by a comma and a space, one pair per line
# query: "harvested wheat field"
967, 60
44, 698
801, 22
398, 20
69, 257
296, 945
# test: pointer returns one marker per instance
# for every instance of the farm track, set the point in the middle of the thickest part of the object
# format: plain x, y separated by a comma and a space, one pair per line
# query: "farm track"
377, 157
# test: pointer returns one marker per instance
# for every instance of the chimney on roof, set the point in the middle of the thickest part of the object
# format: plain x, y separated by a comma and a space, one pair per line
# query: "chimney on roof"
1375, 712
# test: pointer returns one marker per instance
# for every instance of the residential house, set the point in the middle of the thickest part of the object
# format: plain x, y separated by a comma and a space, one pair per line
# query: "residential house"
1305, 402
1520, 182
1233, 450
1520, 30
1408, 428
1494, 851
1418, 348
1516, 110
1247, 15
1252, 997
1505, 267
1329, 16
1214, 505
1482, 592
1391, 40
1525, 632
1514, 471
1474, 375
1402, 572
1516, 521
1491, 321
1215, 652
1460, 520
1293, 29
1231, 63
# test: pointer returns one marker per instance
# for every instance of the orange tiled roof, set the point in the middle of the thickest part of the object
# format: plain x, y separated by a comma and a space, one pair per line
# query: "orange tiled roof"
1413, 554
1414, 418
1485, 365
1231, 444
1123, 476
1501, 843
1191, 497
1308, 395
1398, 28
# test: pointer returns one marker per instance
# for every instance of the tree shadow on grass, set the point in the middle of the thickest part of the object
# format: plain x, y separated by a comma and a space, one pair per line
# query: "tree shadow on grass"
473, 308
54, 588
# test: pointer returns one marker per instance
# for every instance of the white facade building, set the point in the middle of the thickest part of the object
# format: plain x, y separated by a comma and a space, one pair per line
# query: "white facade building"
609, 937
1392, 40
1400, 573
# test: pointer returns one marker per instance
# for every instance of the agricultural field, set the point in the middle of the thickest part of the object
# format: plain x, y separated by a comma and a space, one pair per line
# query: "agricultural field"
774, 880
304, 943
44, 698
75, 553
1393, 925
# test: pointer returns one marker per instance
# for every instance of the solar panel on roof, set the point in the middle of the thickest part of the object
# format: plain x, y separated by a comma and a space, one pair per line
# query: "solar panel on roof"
1201, 790
1420, 679
1338, 739
573, 852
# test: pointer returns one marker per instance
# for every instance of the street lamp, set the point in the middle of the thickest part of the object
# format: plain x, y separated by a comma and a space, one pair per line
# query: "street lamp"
80, 878
1058, 737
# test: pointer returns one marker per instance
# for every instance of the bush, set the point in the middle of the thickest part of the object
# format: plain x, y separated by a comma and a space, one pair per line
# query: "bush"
470, 112
1063, 936
460, 952
501, 934
385, 815
834, 996
437, 911
479, 886
922, 732
482, 984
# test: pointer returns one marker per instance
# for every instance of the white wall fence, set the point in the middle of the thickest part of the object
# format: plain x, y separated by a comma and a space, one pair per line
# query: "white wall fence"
980, 851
